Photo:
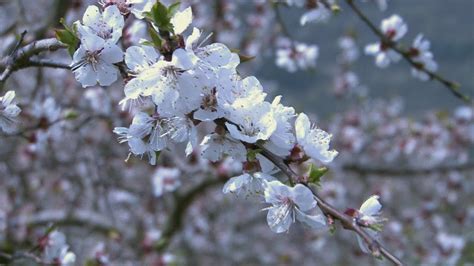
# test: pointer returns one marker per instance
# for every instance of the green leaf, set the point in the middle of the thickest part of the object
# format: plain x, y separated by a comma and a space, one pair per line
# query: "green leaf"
147, 43
155, 37
315, 174
172, 9
68, 36
160, 16
71, 114
252, 154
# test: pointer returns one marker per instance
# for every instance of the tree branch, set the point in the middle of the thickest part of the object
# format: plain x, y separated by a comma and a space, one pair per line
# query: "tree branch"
451, 85
86, 218
20, 58
183, 202
346, 221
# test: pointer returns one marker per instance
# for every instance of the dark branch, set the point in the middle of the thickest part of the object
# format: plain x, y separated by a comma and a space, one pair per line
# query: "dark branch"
451, 85
183, 202
20, 58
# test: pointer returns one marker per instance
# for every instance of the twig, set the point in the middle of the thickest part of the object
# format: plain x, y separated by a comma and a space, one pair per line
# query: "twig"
20, 58
346, 221
45, 63
283, 27
451, 85
87, 218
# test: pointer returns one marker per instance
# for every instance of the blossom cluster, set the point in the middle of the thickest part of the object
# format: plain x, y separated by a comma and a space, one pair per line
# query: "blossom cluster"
393, 29
293, 56
188, 83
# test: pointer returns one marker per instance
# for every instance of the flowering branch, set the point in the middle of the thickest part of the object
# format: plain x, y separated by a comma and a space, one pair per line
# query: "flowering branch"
332, 213
451, 85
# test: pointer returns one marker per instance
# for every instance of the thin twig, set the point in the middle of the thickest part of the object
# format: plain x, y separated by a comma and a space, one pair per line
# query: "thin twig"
45, 63
451, 85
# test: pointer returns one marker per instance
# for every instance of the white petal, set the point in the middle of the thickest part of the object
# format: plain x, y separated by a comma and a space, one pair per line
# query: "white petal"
382, 60
182, 59
236, 183
8, 98
86, 76
113, 17
314, 221
279, 219
91, 15
193, 38
372, 49
181, 20
303, 197
302, 126
111, 53
140, 57
371, 206
137, 146
106, 74
12, 110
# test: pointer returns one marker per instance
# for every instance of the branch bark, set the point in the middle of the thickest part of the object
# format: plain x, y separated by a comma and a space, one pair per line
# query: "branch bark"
21, 58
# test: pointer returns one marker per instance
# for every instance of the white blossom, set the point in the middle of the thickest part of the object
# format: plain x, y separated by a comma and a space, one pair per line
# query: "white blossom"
8, 112
161, 80
288, 205
394, 28
165, 180
94, 61
421, 54
215, 147
319, 14
149, 134
314, 141
350, 51
282, 139
247, 183
368, 216
250, 123
296, 56
107, 25
56, 250
141, 127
